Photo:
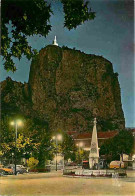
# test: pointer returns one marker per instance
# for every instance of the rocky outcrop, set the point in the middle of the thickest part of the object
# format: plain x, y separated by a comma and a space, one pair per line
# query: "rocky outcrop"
67, 89
14, 98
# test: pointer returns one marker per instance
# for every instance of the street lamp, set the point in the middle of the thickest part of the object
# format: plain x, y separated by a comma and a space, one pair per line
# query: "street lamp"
16, 123
57, 138
80, 145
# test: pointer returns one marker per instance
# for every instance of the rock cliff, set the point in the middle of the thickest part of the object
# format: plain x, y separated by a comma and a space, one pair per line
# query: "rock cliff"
67, 89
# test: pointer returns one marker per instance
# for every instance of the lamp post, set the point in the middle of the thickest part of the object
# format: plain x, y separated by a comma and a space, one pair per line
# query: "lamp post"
80, 145
12, 157
57, 138
16, 123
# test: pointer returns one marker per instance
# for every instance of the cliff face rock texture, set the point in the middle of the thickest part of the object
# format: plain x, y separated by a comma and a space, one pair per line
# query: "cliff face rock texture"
14, 98
67, 89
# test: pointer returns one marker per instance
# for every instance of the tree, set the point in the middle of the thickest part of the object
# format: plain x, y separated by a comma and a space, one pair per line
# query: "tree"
68, 148
23, 145
108, 150
32, 162
117, 146
76, 13
22, 18
44, 150
81, 155
123, 142
32, 140
41, 143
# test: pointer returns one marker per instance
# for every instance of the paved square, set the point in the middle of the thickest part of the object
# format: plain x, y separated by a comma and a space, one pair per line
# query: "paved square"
55, 184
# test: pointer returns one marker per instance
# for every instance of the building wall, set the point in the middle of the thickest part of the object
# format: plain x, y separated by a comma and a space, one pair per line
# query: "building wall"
87, 143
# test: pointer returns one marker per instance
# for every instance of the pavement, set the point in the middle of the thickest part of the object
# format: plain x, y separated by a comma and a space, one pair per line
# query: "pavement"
53, 183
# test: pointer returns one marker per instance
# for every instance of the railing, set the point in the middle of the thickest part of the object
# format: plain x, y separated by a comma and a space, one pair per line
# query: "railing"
87, 172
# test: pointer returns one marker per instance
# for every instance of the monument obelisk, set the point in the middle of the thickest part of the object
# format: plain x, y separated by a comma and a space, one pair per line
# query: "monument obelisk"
94, 150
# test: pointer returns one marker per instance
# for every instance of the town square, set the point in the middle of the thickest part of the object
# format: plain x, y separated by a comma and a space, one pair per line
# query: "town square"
67, 98
55, 184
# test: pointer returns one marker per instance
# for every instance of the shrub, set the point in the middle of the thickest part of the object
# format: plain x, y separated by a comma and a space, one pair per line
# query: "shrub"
32, 162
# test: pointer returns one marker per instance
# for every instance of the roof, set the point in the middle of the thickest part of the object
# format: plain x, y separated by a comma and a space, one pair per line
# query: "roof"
73, 134
100, 135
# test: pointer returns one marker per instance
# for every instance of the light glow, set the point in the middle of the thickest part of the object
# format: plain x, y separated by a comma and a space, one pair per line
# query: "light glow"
81, 144
12, 123
59, 137
53, 137
18, 122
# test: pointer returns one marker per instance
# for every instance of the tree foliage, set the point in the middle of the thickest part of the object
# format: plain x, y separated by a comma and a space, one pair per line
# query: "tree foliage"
32, 162
81, 155
119, 145
32, 140
76, 13
68, 148
25, 18
65, 147
22, 18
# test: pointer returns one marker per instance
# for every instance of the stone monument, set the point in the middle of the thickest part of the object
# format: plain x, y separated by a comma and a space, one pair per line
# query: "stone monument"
55, 42
94, 150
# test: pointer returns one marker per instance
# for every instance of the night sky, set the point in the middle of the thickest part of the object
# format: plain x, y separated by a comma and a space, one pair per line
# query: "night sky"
110, 34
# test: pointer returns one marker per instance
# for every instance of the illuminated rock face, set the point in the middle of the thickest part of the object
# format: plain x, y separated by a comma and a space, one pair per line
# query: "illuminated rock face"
67, 89
94, 150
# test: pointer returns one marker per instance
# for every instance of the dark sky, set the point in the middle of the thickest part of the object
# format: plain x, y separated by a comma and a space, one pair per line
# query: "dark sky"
110, 34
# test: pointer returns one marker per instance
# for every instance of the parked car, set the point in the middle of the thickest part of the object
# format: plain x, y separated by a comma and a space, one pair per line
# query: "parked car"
116, 164
4, 170
71, 164
20, 169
